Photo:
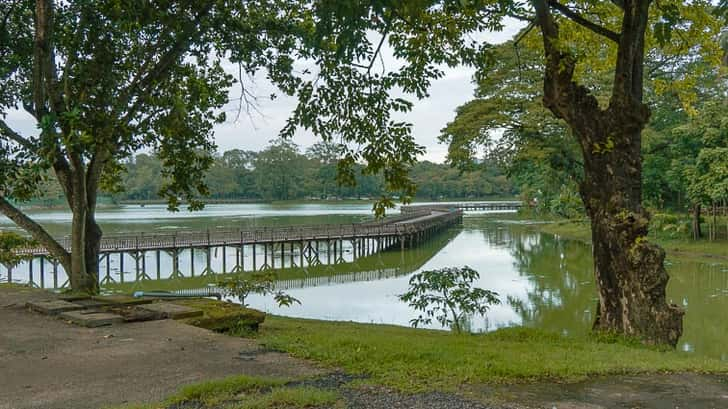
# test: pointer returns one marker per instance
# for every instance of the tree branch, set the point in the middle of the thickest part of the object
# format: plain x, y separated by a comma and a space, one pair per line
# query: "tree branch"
562, 96
165, 61
527, 19
8, 133
618, 3
379, 48
35, 230
578, 19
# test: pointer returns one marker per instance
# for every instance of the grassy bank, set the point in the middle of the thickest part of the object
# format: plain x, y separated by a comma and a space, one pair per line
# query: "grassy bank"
392, 358
416, 360
683, 247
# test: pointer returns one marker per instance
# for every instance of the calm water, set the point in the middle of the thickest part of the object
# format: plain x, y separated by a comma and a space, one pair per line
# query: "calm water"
543, 281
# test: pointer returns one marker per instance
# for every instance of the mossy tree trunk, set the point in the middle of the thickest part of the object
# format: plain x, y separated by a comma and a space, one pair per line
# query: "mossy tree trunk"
630, 274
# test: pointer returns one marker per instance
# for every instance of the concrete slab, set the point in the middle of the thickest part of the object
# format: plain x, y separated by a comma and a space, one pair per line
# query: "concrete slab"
72, 297
53, 307
174, 311
92, 303
91, 319
118, 299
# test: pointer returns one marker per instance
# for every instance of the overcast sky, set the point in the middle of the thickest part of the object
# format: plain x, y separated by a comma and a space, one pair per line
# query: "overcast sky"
253, 132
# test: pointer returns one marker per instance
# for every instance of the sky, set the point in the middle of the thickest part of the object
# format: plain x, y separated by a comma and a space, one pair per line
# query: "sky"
254, 131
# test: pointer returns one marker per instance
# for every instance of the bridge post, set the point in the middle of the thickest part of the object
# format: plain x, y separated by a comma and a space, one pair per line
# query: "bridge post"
30, 273
192, 261
54, 263
121, 267
242, 253
266, 265
301, 254
335, 251
224, 258
159, 264
265, 256
175, 264
42, 271
137, 269
208, 262
254, 256
144, 265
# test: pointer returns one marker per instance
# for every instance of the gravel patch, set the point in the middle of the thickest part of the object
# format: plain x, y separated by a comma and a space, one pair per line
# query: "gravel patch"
376, 398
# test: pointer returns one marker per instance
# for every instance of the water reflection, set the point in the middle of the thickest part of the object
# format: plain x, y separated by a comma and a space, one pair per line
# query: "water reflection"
544, 281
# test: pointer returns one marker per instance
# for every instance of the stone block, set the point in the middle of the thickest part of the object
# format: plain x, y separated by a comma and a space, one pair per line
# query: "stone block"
53, 307
174, 311
91, 303
119, 299
91, 319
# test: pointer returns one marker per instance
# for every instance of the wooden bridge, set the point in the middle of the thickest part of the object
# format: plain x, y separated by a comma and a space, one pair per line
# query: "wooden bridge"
266, 248
139, 257
491, 206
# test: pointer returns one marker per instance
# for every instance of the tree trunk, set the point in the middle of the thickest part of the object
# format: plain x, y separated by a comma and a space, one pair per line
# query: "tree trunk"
630, 275
631, 278
697, 232
83, 271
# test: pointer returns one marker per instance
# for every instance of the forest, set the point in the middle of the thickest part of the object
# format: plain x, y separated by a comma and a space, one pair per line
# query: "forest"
283, 171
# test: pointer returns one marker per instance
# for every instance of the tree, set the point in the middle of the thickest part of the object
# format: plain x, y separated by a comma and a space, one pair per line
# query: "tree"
279, 170
142, 178
103, 79
606, 123
448, 296
510, 125
705, 169
326, 155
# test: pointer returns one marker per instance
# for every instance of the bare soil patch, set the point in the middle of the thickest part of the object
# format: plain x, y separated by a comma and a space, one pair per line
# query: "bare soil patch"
48, 363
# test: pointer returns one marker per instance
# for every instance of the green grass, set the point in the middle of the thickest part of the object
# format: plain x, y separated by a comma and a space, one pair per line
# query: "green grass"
13, 286
678, 247
214, 392
247, 392
414, 359
294, 397
573, 230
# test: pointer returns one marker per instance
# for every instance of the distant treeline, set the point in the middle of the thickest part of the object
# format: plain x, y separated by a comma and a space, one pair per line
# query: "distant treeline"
282, 172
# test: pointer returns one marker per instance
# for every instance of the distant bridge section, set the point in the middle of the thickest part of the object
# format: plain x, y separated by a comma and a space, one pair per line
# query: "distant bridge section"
464, 206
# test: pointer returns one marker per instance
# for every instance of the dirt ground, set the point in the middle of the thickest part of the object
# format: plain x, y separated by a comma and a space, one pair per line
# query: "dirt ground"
648, 391
48, 363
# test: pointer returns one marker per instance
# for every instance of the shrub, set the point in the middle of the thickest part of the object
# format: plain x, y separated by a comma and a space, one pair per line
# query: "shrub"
448, 296
243, 285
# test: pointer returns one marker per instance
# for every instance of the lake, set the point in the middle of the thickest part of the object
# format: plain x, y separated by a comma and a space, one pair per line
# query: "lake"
543, 281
